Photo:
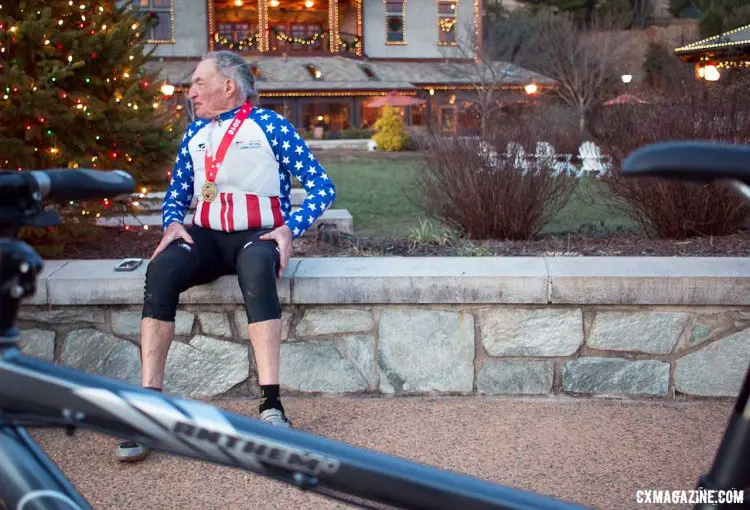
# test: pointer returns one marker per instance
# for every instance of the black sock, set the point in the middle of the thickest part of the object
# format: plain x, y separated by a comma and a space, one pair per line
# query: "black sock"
269, 397
151, 388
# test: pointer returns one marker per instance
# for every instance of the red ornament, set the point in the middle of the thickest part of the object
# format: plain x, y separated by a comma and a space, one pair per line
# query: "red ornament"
93, 55
59, 46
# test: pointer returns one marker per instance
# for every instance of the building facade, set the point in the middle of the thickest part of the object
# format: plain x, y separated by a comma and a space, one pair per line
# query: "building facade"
719, 54
322, 62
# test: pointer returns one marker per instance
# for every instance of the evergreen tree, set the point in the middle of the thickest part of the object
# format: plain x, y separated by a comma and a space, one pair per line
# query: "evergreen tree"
390, 134
74, 93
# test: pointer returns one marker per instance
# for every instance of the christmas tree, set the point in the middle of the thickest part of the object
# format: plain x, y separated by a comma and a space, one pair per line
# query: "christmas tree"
74, 93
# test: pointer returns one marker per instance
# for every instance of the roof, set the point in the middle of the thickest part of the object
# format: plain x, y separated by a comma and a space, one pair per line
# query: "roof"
341, 73
734, 38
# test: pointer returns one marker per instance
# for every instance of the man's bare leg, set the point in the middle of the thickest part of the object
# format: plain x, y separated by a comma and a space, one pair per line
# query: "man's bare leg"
156, 337
265, 338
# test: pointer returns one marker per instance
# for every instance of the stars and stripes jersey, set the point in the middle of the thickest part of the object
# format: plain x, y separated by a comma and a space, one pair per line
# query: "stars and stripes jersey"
255, 179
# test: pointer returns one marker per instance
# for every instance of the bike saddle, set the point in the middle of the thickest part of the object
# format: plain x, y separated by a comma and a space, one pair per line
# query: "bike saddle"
697, 161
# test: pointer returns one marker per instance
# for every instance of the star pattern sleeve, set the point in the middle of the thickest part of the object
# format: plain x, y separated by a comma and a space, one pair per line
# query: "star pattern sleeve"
180, 192
295, 158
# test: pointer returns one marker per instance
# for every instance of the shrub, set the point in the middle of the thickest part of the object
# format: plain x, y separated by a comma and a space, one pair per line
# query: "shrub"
390, 134
696, 110
475, 188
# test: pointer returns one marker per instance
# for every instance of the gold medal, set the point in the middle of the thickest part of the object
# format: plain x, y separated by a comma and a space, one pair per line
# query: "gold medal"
209, 191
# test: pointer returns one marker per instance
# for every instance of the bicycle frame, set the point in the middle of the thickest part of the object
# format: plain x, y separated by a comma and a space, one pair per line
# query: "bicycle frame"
37, 392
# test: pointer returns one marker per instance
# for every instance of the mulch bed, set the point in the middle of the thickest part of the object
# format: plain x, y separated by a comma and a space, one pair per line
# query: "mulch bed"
115, 244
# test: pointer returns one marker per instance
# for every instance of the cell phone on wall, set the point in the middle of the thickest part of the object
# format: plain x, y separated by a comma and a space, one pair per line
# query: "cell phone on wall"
128, 264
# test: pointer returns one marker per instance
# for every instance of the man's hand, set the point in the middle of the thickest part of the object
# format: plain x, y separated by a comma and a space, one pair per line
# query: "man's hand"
174, 231
283, 237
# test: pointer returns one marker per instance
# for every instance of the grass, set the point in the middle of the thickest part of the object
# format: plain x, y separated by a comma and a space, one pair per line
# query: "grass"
375, 189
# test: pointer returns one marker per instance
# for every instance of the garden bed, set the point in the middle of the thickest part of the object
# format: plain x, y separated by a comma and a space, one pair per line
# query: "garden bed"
114, 244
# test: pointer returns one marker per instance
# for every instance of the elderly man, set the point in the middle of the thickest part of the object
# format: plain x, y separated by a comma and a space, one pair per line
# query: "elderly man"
238, 159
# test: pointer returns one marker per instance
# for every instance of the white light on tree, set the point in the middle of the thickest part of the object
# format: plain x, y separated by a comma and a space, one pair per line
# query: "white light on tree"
627, 78
167, 89
531, 88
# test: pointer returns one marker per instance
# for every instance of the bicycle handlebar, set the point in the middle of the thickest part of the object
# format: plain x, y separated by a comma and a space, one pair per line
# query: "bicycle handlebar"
65, 184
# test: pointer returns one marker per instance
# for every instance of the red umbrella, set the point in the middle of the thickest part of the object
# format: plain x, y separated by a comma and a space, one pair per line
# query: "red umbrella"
625, 99
393, 99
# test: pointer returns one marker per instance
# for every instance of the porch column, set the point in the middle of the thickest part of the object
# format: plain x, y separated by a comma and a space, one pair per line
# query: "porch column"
263, 43
333, 25
354, 103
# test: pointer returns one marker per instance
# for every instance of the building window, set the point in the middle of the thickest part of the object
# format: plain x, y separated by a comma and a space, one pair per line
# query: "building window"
447, 21
161, 12
395, 21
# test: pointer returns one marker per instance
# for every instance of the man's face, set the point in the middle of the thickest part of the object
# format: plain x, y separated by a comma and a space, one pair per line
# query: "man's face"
208, 90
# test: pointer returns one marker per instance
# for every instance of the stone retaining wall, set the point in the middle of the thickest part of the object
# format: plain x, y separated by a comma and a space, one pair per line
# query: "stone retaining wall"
393, 326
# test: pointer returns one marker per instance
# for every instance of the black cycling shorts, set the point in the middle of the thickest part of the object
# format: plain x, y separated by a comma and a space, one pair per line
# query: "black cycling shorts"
213, 254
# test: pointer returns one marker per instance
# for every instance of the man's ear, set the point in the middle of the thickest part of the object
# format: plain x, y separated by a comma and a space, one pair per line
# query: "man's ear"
229, 87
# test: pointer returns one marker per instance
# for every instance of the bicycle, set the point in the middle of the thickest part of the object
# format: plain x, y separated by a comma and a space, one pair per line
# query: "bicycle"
38, 393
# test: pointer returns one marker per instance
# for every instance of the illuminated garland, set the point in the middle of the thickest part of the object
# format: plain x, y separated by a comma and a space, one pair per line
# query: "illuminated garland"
349, 45
447, 24
298, 40
733, 64
250, 41
232, 44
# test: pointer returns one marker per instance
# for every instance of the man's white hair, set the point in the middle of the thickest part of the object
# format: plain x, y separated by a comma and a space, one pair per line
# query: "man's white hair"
236, 68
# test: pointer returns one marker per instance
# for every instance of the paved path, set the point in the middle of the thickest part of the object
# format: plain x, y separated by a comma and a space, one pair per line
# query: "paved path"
597, 453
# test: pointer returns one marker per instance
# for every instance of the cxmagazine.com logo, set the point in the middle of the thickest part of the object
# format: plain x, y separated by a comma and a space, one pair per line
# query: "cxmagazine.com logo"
690, 497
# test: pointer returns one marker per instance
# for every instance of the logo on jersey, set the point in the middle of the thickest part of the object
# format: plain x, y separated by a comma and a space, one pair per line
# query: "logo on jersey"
246, 145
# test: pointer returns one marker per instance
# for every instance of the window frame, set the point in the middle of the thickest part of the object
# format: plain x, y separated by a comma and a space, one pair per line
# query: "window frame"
441, 17
389, 14
160, 10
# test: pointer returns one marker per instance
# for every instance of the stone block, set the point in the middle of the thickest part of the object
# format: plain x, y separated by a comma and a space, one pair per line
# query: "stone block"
519, 332
324, 321
38, 343
414, 280
205, 367
215, 324
327, 366
68, 315
649, 332
99, 353
426, 351
95, 282
41, 295
650, 280
717, 369
129, 323
500, 377
616, 376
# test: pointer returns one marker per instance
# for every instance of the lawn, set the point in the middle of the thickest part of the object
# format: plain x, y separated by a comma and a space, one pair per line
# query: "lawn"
376, 188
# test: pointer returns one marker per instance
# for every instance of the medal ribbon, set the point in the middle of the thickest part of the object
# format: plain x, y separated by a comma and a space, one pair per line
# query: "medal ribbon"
212, 165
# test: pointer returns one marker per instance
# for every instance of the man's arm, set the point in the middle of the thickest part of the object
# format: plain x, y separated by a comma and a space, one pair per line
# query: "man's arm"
296, 157
180, 192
